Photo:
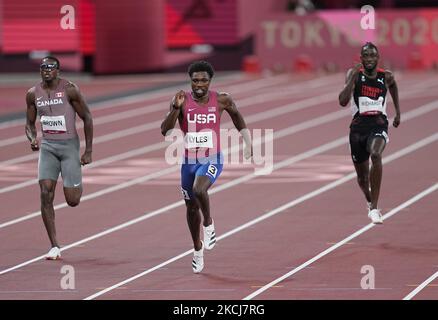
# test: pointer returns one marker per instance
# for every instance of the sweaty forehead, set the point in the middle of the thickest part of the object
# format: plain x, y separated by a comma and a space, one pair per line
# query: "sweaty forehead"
368, 51
200, 75
50, 61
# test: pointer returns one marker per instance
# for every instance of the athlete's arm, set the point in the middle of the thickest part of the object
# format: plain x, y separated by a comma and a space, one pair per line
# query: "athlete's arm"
175, 111
227, 104
81, 108
350, 80
31, 114
393, 90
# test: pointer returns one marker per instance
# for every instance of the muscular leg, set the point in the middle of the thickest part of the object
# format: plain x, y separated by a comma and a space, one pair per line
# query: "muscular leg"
47, 188
194, 222
200, 188
71, 173
377, 146
363, 173
73, 196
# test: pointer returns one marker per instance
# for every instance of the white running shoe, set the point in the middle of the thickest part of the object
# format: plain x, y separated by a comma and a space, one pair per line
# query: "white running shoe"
198, 259
375, 216
53, 254
209, 236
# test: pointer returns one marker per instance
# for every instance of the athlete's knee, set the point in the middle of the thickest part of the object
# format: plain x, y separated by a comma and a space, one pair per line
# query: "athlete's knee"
363, 180
199, 192
376, 156
73, 202
192, 207
47, 197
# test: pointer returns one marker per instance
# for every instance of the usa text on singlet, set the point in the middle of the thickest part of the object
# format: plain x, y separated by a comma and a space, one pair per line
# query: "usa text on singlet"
201, 126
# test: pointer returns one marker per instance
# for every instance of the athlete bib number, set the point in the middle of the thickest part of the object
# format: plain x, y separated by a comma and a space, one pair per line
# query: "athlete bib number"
199, 140
370, 106
55, 124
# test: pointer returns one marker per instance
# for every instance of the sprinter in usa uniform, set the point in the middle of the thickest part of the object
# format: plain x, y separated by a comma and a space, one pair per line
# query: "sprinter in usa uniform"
198, 113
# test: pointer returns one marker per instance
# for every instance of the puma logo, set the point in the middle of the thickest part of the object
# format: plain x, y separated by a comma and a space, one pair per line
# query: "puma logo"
380, 80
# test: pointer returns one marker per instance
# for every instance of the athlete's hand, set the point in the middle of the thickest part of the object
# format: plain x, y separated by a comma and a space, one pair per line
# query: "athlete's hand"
34, 145
396, 121
86, 158
247, 152
179, 99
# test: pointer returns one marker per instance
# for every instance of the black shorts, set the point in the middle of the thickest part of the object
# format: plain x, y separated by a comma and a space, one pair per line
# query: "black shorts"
362, 130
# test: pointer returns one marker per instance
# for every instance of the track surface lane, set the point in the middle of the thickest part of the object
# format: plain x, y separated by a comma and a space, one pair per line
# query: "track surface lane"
153, 137
246, 260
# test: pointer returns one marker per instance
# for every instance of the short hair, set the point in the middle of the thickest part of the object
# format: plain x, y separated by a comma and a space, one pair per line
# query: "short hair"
369, 45
52, 58
200, 66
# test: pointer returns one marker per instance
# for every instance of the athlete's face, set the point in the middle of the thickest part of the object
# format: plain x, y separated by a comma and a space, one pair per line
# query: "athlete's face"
49, 69
200, 83
370, 58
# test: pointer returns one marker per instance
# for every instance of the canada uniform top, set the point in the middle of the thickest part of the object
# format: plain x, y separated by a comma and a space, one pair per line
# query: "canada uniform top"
57, 115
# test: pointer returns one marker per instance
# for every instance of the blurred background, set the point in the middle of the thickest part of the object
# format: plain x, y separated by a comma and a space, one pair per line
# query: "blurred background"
132, 36
97, 38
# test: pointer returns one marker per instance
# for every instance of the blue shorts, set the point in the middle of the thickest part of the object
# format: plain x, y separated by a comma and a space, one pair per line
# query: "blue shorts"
210, 167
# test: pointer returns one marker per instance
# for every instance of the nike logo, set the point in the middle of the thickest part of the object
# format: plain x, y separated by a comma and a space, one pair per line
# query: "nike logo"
39, 98
192, 109
380, 80
76, 185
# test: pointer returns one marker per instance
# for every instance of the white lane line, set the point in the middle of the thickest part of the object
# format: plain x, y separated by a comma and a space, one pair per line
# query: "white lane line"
312, 152
414, 292
340, 243
276, 211
296, 106
163, 93
116, 116
277, 135
139, 97
252, 118
118, 102
242, 103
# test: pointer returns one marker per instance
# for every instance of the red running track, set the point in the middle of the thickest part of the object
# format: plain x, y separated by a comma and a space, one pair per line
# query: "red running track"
259, 240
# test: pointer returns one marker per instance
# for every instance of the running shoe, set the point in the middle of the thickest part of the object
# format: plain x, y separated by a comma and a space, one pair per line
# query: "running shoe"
53, 254
209, 236
375, 216
198, 259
